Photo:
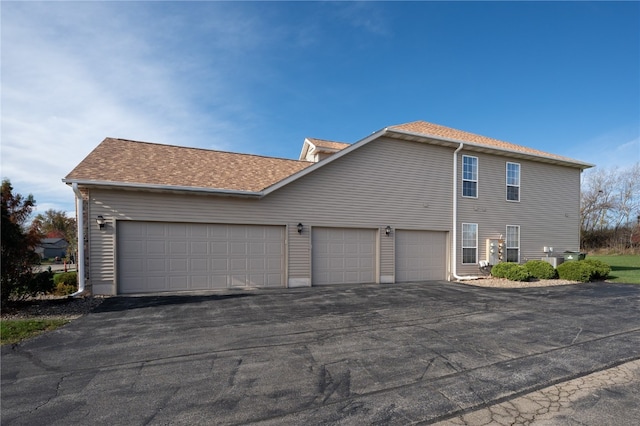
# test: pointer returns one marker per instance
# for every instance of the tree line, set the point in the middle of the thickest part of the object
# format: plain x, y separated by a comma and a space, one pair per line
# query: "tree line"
610, 209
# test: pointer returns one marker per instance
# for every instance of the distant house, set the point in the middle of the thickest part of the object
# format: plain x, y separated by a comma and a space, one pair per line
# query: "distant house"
52, 247
410, 202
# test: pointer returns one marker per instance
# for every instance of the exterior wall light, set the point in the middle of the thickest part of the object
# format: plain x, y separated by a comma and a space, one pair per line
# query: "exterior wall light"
387, 230
300, 228
100, 221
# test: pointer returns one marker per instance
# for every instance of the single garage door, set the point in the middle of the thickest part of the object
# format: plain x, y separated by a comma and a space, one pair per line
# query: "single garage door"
420, 255
157, 256
343, 256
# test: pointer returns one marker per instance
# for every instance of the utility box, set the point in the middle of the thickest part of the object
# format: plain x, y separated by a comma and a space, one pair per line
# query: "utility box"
495, 249
554, 261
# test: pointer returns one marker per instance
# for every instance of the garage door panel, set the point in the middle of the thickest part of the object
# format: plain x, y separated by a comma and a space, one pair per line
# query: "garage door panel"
177, 230
155, 230
199, 265
343, 256
199, 248
177, 283
178, 247
239, 248
219, 248
155, 247
155, 256
156, 265
199, 282
178, 265
420, 255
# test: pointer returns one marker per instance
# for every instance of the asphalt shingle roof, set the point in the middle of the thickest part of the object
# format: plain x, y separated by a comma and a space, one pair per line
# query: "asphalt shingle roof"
142, 163
125, 161
438, 131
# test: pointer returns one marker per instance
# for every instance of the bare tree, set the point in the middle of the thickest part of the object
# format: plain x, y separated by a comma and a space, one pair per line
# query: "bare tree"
610, 206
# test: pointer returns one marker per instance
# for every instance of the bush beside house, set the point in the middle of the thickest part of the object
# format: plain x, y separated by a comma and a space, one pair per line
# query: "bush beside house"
582, 270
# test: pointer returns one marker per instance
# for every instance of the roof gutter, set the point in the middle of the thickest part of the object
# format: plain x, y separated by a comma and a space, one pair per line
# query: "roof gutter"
80, 224
454, 251
163, 187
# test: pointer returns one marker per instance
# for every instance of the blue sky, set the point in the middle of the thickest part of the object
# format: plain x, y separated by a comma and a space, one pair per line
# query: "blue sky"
260, 77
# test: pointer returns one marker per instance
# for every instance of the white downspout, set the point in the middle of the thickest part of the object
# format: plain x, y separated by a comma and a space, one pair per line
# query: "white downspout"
80, 223
454, 257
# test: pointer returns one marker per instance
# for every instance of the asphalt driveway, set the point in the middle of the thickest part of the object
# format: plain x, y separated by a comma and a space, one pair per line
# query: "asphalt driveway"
372, 354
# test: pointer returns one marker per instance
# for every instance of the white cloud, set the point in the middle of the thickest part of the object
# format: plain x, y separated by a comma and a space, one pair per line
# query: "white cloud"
617, 148
74, 73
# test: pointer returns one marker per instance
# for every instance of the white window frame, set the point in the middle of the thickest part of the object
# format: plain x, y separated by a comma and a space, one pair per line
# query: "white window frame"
512, 185
475, 246
477, 167
511, 245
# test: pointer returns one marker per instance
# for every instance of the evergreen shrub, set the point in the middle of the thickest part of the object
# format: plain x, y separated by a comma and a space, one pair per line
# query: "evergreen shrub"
600, 269
576, 271
541, 269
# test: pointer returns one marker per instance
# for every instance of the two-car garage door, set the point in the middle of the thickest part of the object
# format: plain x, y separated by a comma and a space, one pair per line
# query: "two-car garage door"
159, 256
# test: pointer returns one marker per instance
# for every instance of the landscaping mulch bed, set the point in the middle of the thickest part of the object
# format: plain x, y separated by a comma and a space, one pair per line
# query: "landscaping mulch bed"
50, 307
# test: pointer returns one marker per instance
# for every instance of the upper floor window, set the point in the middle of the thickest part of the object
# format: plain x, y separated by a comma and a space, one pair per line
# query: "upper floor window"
513, 243
469, 176
469, 243
513, 182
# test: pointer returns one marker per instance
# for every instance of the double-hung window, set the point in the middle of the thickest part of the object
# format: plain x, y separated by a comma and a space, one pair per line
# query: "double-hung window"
513, 182
513, 243
469, 243
469, 176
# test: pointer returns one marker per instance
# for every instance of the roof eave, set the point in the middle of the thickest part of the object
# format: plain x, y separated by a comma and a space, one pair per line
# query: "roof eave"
159, 187
486, 148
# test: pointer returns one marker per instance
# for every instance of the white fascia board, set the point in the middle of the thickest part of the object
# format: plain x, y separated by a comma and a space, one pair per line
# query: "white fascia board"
158, 187
305, 149
324, 162
455, 142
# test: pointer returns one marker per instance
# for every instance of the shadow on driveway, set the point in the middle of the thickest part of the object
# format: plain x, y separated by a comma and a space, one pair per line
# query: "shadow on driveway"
116, 304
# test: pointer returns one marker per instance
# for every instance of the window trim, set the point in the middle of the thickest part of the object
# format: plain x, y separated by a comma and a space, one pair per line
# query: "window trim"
469, 247
506, 243
477, 164
511, 185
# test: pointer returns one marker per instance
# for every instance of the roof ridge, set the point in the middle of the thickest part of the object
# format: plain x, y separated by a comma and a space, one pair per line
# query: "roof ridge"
454, 129
326, 140
192, 148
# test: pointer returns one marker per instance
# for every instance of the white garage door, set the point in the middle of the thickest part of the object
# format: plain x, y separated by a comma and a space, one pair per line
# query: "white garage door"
156, 256
420, 255
343, 256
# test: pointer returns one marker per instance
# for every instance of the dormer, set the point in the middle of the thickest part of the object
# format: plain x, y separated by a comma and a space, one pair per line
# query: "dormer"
315, 150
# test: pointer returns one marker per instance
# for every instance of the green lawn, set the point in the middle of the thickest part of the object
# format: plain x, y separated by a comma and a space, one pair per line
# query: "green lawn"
624, 268
12, 331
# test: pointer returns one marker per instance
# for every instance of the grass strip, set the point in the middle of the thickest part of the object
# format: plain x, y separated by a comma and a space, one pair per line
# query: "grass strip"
624, 268
13, 331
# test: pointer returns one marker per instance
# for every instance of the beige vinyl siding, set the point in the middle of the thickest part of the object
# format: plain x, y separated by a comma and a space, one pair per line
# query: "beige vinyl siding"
548, 212
299, 251
387, 255
386, 182
101, 244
